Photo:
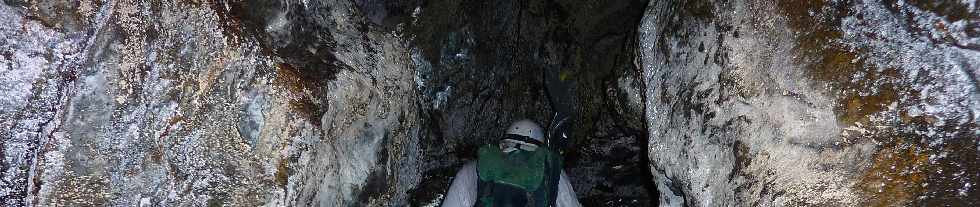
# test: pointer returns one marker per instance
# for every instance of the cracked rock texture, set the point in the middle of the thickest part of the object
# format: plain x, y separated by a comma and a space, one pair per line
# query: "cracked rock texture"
308, 103
378, 103
193, 103
826, 103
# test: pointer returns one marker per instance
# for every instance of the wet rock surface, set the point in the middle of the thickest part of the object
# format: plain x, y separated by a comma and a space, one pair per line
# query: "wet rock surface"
840, 103
378, 103
145, 103
326, 103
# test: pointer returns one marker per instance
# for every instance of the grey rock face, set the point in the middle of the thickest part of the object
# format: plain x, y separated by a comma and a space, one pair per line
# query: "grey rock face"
135, 103
793, 103
325, 103
377, 103
309, 103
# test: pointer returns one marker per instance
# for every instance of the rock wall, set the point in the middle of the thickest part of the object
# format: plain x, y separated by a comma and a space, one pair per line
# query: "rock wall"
377, 103
137, 103
792, 103
309, 103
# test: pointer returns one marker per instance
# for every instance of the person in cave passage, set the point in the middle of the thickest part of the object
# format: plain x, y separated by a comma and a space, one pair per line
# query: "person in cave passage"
523, 169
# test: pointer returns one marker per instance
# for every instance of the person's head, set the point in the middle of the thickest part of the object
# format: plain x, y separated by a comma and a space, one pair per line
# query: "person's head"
524, 134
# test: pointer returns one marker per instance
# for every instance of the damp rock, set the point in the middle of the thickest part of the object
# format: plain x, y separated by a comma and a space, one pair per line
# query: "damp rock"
811, 102
146, 103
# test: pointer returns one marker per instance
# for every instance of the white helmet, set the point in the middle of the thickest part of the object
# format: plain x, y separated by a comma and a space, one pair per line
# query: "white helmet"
526, 128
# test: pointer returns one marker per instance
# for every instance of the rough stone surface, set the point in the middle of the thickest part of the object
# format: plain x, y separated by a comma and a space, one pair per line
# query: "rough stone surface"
789, 103
481, 66
193, 103
310, 103
378, 103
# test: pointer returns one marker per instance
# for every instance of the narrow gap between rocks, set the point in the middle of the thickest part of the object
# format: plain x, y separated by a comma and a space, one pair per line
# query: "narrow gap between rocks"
481, 66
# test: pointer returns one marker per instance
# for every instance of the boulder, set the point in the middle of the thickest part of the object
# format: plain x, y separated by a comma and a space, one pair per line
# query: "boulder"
791, 103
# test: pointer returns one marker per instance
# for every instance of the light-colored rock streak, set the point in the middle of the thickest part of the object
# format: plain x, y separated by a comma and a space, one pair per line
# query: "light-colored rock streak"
140, 103
740, 114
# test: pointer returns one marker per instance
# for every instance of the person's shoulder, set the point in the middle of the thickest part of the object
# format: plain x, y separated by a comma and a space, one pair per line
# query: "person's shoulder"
468, 168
